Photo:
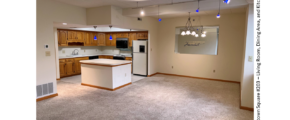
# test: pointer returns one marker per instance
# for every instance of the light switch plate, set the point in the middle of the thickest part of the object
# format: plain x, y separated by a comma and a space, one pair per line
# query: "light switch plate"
250, 59
47, 53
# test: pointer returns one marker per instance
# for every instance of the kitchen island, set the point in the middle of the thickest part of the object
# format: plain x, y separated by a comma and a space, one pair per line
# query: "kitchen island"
106, 74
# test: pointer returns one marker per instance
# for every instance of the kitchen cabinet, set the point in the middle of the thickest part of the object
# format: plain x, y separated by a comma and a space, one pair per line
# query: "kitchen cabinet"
101, 39
106, 56
142, 35
122, 35
62, 68
78, 65
94, 39
130, 59
87, 39
110, 42
132, 36
70, 66
75, 36
62, 37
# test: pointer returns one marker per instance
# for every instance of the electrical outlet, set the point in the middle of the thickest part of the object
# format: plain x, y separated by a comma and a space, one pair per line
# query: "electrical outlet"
63, 51
84, 50
250, 59
47, 53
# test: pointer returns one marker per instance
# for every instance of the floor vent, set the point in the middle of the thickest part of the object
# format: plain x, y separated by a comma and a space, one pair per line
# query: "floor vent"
44, 89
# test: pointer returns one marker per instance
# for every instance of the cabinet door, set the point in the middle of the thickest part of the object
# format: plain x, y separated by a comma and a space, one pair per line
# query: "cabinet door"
80, 36
111, 42
78, 64
62, 69
87, 39
94, 39
122, 35
132, 36
72, 35
145, 35
101, 39
70, 69
62, 38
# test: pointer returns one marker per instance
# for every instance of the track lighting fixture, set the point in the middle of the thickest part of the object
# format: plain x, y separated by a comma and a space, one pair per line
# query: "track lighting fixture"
218, 15
197, 10
227, 1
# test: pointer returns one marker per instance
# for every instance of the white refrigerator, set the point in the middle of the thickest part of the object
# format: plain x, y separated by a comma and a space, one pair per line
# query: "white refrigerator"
140, 57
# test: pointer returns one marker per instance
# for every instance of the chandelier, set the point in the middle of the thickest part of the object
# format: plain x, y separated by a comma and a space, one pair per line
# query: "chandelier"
189, 30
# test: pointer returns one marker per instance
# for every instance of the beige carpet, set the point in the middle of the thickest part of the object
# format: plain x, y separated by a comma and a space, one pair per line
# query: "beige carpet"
160, 97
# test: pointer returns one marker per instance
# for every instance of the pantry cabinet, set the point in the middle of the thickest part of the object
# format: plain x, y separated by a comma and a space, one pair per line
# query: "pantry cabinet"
132, 36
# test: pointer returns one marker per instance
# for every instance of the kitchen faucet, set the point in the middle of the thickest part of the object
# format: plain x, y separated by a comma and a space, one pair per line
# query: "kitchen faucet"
73, 53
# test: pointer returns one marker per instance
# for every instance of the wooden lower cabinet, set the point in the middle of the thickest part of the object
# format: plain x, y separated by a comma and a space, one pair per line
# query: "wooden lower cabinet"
78, 64
70, 66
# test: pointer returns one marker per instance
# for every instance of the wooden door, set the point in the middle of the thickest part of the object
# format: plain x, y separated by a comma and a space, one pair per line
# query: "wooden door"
110, 42
71, 35
80, 36
87, 40
132, 36
94, 39
62, 69
101, 39
78, 64
62, 38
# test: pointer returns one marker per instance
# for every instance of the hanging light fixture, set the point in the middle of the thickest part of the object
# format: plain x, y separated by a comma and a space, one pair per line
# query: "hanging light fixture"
227, 1
111, 38
159, 19
218, 15
193, 33
196, 35
197, 10
188, 26
142, 12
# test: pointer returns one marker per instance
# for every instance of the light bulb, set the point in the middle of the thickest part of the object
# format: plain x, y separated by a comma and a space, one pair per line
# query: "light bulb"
218, 15
204, 32
182, 33
187, 32
193, 33
197, 10
142, 12
203, 35
196, 35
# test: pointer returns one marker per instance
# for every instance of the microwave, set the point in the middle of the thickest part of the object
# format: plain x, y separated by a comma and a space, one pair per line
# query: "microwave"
122, 43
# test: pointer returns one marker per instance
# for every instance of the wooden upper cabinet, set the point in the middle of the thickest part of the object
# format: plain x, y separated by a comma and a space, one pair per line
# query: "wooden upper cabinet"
62, 38
101, 39
132, 36
122, 35
87, 39
79, 36
111, 42
142, 35
71, 35
94, 39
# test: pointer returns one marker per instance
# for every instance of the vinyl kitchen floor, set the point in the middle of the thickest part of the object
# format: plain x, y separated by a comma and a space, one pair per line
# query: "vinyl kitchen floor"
160, 97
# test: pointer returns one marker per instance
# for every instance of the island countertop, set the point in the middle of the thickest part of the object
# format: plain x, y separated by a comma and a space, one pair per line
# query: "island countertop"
106, 62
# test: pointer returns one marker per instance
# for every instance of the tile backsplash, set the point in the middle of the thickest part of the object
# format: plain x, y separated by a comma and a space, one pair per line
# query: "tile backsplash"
88, 50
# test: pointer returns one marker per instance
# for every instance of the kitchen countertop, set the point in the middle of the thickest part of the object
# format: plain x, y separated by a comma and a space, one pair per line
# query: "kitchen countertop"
75, 56
109, 62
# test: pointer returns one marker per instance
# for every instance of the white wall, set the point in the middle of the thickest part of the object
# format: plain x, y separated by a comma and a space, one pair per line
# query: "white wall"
49, 11
228, 61
247, 82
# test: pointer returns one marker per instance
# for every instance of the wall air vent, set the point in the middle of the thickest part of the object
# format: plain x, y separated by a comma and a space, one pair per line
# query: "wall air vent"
139, 19
44, 89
